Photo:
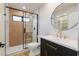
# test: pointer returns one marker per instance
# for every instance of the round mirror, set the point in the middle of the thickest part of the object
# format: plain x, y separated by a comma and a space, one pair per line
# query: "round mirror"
65, 16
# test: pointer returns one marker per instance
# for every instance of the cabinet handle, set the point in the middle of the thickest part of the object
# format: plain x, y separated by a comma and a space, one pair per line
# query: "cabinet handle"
51, 46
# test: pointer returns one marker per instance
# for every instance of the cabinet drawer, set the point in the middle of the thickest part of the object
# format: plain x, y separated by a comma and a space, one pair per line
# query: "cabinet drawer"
54, 45
51, 50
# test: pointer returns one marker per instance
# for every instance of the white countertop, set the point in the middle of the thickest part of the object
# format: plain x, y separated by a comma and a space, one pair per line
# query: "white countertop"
69, 43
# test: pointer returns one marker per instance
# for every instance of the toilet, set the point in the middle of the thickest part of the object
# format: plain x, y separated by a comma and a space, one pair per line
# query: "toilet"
33, 47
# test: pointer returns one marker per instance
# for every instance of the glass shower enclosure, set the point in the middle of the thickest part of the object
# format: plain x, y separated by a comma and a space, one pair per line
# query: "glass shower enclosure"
21, 29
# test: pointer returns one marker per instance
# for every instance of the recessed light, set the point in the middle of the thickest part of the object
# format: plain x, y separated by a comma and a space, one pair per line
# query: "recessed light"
24, 7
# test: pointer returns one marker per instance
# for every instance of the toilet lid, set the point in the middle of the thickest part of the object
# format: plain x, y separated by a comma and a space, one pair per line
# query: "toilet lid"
34, 44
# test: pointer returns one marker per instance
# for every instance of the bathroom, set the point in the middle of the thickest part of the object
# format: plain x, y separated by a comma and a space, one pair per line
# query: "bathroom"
31, 29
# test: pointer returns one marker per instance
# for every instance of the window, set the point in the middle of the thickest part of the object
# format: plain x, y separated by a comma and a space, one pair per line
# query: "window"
17, 18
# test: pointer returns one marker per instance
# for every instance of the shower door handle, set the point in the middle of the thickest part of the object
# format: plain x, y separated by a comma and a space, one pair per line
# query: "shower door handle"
24, 30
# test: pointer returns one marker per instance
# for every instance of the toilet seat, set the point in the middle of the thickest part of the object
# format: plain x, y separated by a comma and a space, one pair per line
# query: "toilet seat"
33, 44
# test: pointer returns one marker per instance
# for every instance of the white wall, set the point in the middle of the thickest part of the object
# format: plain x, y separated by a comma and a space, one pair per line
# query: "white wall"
45, 26
45, 18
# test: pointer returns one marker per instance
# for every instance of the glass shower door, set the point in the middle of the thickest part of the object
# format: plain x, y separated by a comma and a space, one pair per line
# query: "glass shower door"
30, 28
21, 30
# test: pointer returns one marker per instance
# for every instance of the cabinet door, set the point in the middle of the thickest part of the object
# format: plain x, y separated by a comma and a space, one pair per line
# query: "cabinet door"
48, 49
43, 51
67, 52
51, 50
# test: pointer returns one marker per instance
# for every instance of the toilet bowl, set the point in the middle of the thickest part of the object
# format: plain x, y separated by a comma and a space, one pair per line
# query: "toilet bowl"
33, 48
33, 45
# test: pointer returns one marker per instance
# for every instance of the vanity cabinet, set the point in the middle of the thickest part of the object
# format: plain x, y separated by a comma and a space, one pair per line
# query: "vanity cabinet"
49, 48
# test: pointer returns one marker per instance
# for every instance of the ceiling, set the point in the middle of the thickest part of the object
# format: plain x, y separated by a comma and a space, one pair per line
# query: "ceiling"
30, 7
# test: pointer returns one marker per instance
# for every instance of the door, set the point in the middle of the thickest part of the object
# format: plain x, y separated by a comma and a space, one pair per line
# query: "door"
30, 28
27, 29
2, 30
19, 30
15, 28
14, 31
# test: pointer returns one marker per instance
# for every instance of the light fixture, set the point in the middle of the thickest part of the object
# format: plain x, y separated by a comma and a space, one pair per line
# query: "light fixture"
24, 7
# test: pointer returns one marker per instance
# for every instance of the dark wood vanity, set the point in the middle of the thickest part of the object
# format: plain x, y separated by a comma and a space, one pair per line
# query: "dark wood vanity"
49, 48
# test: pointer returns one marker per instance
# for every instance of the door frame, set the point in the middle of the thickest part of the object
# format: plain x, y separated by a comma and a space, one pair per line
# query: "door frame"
3, 39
